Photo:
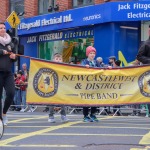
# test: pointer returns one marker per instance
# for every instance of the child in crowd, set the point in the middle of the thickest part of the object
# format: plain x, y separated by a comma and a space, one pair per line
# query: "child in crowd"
57, 58
90, 62
21, 82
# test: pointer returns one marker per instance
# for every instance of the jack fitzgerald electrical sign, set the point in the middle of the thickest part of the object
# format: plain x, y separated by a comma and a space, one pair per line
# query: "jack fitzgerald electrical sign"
63, 84
62, 35
95, 14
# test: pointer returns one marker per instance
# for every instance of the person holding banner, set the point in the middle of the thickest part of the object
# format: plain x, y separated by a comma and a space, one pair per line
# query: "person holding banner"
57, 58
144, 55
90, 62
7, 57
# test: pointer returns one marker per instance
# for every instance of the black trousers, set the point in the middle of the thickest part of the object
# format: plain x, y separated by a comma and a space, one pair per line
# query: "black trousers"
135, 107
6, 82
149, 108
86, 111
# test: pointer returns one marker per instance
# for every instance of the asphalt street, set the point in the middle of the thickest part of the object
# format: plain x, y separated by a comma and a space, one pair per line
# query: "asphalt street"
33, 131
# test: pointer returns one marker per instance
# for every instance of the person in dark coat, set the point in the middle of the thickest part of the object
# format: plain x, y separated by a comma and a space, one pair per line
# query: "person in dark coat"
7, 57
143, 55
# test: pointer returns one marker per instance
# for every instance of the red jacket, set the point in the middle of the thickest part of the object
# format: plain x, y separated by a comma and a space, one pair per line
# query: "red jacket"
20, 82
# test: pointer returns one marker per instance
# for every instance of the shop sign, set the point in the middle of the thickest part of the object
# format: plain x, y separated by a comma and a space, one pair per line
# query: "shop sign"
85, 16
63, 35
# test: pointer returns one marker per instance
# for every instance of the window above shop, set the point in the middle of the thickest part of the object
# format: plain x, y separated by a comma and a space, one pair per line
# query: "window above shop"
47, 6
17, 6
80, 3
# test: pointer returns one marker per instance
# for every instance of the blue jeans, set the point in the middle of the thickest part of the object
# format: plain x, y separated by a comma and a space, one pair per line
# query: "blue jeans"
51, 111
23, 97
17, 98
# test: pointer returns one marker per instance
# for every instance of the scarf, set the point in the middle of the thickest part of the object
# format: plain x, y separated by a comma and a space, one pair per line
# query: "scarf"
5, 40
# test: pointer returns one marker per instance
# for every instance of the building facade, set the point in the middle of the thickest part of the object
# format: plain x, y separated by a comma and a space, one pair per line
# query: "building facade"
32, 7
68, 27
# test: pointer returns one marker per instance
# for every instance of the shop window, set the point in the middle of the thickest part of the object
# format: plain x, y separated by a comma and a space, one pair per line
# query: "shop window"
80, 3
145, 30
73, 50
17, 6
46, 6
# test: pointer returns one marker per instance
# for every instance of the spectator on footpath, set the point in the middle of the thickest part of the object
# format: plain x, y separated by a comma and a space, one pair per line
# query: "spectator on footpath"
57, 58
23, 85
17, 98
7, 57
90, 62
112, 60
99, 61
25, 72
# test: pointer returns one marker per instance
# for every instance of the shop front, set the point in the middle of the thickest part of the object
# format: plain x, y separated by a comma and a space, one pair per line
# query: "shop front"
71, 43
113, 28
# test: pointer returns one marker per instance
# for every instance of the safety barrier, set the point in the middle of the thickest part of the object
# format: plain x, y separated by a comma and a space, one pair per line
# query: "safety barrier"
101, 110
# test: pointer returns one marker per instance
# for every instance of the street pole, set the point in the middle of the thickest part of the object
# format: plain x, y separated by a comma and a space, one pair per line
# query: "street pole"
16, 49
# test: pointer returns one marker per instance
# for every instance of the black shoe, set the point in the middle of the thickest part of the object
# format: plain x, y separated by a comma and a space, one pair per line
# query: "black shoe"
109, 112
46, 109
12, 108
133, 114
17, 109
137, 114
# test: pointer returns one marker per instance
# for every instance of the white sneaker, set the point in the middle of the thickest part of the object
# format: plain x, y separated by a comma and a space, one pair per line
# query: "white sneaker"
33, 108
64, 118
5, 120
29, 110
147, 116
143, 109
24, 109
51, 120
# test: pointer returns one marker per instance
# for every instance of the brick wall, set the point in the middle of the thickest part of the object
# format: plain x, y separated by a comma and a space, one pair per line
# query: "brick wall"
4, 10
64, 4
31, 8
102, 1
99, 1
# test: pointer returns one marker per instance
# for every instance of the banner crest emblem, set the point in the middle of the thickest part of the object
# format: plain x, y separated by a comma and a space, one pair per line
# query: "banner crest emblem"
45, 82
144, 84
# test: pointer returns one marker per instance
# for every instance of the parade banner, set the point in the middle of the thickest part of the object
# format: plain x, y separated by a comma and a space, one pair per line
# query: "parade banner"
62, 84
